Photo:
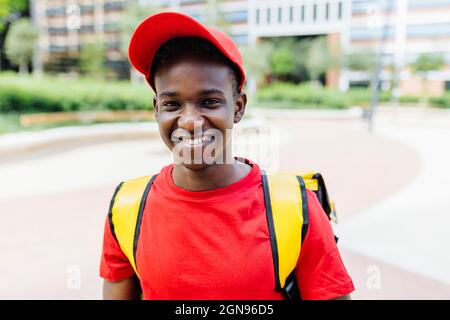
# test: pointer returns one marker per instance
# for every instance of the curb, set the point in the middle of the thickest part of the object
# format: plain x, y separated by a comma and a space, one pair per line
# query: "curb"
25, 143
308, 114
19, 145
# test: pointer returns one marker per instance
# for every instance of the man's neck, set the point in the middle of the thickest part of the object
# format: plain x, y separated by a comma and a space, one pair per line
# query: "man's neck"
212, 177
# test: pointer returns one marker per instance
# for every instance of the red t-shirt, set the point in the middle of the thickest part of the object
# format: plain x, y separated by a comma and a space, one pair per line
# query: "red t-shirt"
215, 245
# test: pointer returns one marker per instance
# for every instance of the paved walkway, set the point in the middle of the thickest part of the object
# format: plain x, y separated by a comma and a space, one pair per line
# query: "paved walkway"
389, 188
408, 230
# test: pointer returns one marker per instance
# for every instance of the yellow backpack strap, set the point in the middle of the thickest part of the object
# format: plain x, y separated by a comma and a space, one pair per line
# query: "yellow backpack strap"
125, 215
287, 219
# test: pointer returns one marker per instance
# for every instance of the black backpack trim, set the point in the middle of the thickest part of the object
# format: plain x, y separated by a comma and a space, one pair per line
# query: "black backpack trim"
139, 218
270, 224
111, 205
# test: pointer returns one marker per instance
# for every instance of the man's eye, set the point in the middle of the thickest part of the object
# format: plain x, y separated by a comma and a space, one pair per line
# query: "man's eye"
170, 105
211, 102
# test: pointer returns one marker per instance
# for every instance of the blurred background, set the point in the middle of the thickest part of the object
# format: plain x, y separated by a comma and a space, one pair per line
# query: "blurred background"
356, 89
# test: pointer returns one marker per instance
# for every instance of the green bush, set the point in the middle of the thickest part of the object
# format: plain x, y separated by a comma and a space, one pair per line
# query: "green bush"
442, 101
288, 95
50, 94
301, 96
409, 99
363, 96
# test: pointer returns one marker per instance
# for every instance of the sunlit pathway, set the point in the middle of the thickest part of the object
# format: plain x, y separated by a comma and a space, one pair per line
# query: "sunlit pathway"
409, 229
54, 206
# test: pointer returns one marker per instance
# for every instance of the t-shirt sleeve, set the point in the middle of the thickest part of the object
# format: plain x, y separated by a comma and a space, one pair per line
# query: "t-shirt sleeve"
320, 271
114, 265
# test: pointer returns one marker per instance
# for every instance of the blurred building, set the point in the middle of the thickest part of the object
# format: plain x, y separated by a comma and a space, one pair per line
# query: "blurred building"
407, 28
401, 29
66, 25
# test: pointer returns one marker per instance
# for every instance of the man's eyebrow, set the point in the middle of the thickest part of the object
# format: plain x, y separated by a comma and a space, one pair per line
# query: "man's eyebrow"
168, 94
211, 91
202, 93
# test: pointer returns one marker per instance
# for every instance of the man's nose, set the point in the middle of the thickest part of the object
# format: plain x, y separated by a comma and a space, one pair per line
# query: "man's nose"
191, 119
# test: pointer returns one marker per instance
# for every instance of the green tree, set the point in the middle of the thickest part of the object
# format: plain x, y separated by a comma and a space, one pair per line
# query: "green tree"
257, 61
20, 43
215, 17
287, 59
425, 63
360, 61
9, 7
319, 58
92, 59
282, 61
134, 14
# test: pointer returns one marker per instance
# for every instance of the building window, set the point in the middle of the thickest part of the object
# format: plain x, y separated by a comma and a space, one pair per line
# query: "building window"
236, 16
447, 85
191, 1
240, 39
116, 5
428, 30
113, 45
197, 16
371, 34
86, 8
86, 29
110, 27
56, 31
55, 48
55, 12
362, 6
428, 3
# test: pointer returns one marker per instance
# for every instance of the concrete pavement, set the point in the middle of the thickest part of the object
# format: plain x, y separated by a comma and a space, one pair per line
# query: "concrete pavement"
409, 229
54, 205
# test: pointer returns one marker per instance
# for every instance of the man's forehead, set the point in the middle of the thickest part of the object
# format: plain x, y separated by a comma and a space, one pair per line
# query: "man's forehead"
201, 78
203, 64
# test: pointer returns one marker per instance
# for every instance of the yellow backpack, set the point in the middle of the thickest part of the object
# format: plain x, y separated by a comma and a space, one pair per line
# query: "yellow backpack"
286, 209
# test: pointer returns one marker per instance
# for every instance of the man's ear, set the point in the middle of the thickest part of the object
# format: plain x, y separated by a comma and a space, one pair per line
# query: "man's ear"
155, 106
239, 106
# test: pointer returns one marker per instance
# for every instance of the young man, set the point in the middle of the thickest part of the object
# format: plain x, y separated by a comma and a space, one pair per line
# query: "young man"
203, 232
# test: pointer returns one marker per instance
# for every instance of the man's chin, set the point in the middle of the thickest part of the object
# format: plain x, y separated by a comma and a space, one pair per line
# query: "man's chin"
196, 166
201, 164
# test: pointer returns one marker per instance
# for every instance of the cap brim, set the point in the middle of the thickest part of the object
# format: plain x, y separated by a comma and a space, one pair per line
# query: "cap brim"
157, 29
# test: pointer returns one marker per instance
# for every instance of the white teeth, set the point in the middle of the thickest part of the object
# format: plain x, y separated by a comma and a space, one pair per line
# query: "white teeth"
196, 141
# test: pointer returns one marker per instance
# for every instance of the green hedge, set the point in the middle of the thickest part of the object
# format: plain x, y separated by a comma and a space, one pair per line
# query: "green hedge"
409, 99
301, 96
441, 102
285, 95
363, 96
49, 94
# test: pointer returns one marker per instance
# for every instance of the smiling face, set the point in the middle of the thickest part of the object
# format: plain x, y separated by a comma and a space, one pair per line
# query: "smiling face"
195, 109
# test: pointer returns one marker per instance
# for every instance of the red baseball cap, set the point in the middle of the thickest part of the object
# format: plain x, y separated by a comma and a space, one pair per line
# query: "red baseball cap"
159, 28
